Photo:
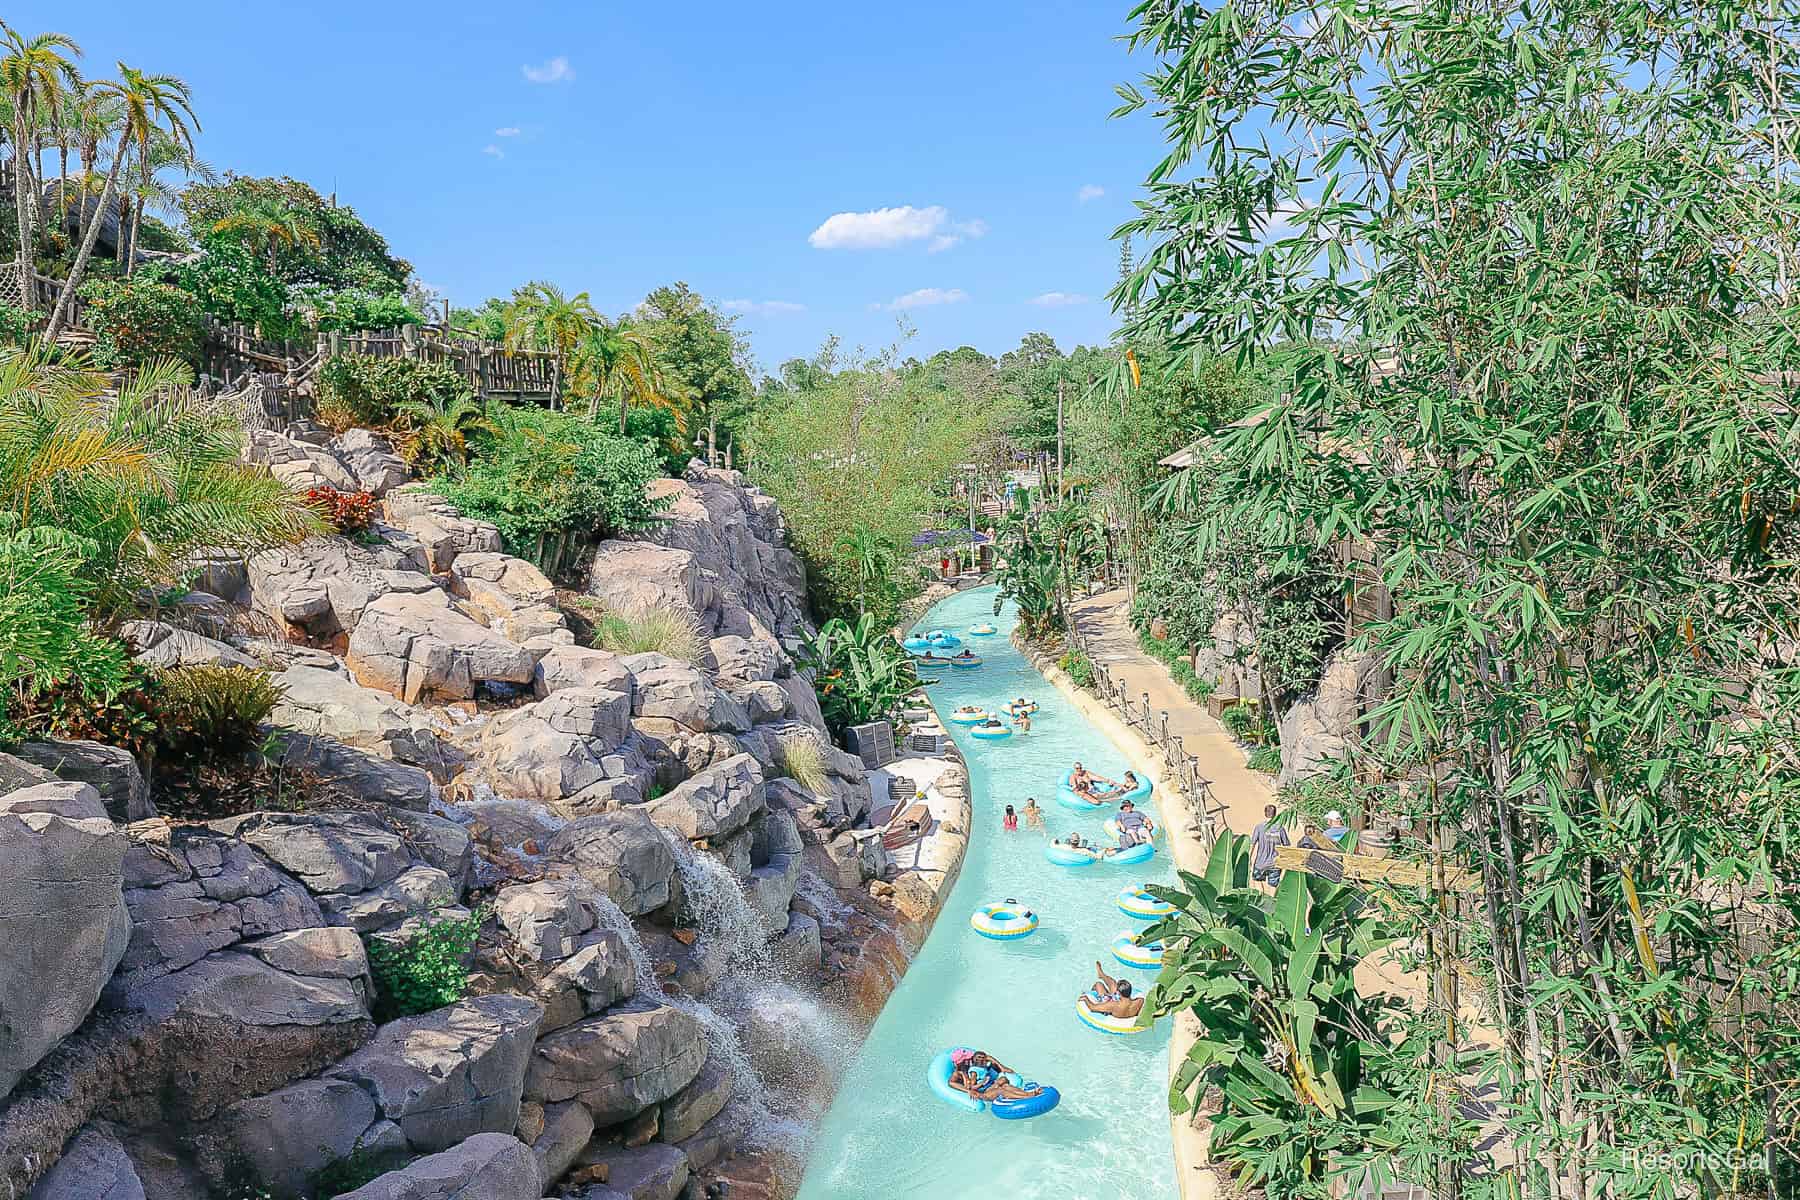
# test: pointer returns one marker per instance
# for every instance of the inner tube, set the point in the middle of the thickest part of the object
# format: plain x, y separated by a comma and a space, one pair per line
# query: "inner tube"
1005, 922
945, 641
1073, 799
938, 1076
970, 718
983, 630
1066, 856
965, 663
1015, 708
1111, 825
1140, 905
1146, 956
916, 643
1143, 852
1118, 1026
990, 735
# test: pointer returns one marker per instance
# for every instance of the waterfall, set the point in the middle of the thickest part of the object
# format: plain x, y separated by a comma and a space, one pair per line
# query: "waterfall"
717, 909
834, 912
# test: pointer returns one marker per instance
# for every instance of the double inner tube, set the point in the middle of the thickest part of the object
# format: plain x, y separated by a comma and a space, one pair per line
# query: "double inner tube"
1004, 922
1111, 825
916, 644
978, 717
990, 733
1145, 956
938, 1076
1016, 709
1140, 905
1143, 852
1070, 798
1117, 1026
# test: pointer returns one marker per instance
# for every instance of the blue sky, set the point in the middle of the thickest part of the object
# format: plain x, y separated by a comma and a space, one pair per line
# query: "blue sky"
610, 147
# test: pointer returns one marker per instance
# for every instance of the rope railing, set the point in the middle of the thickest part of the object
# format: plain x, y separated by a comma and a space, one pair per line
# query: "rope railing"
1181, 768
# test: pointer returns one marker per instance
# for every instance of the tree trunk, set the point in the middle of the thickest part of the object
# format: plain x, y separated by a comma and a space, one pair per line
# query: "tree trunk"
622, 406
137, 221
22, 188
64, 302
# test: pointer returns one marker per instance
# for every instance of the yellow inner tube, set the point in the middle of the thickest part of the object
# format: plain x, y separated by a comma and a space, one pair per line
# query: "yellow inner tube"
1118, 1026
1003, 922
1137, 902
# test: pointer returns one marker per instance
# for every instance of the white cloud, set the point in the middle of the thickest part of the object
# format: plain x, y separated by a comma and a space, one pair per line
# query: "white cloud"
927, 298
507, 131
493, 151
557, 70
1089, 191
1058, 299
885, 228
763, 308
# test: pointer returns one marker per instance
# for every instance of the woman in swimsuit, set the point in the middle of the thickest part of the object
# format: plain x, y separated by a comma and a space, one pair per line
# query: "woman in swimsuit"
1011, 823
983, 1078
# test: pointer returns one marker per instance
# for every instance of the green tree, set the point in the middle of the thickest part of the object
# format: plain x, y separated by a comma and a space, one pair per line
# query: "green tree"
153, 105
704, 356
543, 317
265, 225
33, 73
1552, 244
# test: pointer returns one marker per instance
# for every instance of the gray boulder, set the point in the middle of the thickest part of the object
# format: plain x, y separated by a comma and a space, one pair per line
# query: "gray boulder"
329, 704
714, 803
112, 771
488, 1166
370, 461
364, 774
798, 951
241, 988
440, 529
653, 1172
449, 1074
328, 852
439, 841
72, 801
510, 595
546, 919
287, 1135
65, 927
623, 854
561, 748
298, 464
569, 666
619, 1063
743, 660
321, 587
680, 692
567, 1128
414, 645
93, 1166
694, 1105
162, 645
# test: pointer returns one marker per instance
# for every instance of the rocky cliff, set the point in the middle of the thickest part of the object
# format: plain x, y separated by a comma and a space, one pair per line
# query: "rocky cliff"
187, 1007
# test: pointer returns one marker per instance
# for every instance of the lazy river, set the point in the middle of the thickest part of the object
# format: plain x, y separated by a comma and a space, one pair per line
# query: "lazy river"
887, 1134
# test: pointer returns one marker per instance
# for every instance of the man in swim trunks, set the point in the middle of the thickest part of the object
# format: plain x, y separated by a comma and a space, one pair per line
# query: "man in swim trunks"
983, 1077
1023, 721
1034, 816
1113, 996
1134, 826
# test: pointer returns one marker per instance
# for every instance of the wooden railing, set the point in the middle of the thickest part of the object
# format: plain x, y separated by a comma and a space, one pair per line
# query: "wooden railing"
1181, 769
491, 369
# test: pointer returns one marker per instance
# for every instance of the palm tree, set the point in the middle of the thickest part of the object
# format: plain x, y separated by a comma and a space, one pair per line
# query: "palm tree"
543, 317
267, 224
616, 360
150, 192
434, 430
150, 103
148, 477
33, 73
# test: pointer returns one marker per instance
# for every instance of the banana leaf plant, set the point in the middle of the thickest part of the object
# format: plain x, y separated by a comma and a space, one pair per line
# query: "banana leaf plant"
1302, 1064
859, 672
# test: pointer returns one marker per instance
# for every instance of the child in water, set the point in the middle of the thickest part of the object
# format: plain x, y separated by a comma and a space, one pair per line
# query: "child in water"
1034, 816
1011, 823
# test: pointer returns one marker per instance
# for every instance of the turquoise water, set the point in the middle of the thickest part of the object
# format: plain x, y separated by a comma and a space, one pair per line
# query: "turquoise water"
886, 1134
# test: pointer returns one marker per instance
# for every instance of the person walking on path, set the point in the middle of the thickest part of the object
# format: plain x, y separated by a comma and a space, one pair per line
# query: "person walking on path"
1264, 840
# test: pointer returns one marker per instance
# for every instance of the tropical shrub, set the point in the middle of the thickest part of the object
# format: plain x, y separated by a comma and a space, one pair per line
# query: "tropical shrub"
145, 481
232, 284
1309, 1072
859, 671
432, 432
659, 629
15, 325
1266, 759
139, 319
1238, 721
1031, 576
46, 641
346, 512
351, 309
327, 243
356, 390
542, 475
208, 713
424, 970
1078, 667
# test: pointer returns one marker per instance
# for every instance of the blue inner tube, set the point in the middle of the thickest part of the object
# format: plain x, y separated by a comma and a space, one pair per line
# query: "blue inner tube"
965, 663
1006, 922
1063, 856
1143, 956
1141, 853
1073, 799
945, 641
990, 735
917, 643
1068, 797
938, 1076
1140, 905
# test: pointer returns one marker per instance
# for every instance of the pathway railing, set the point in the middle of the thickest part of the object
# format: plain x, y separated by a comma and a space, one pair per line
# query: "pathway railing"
1181, 769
